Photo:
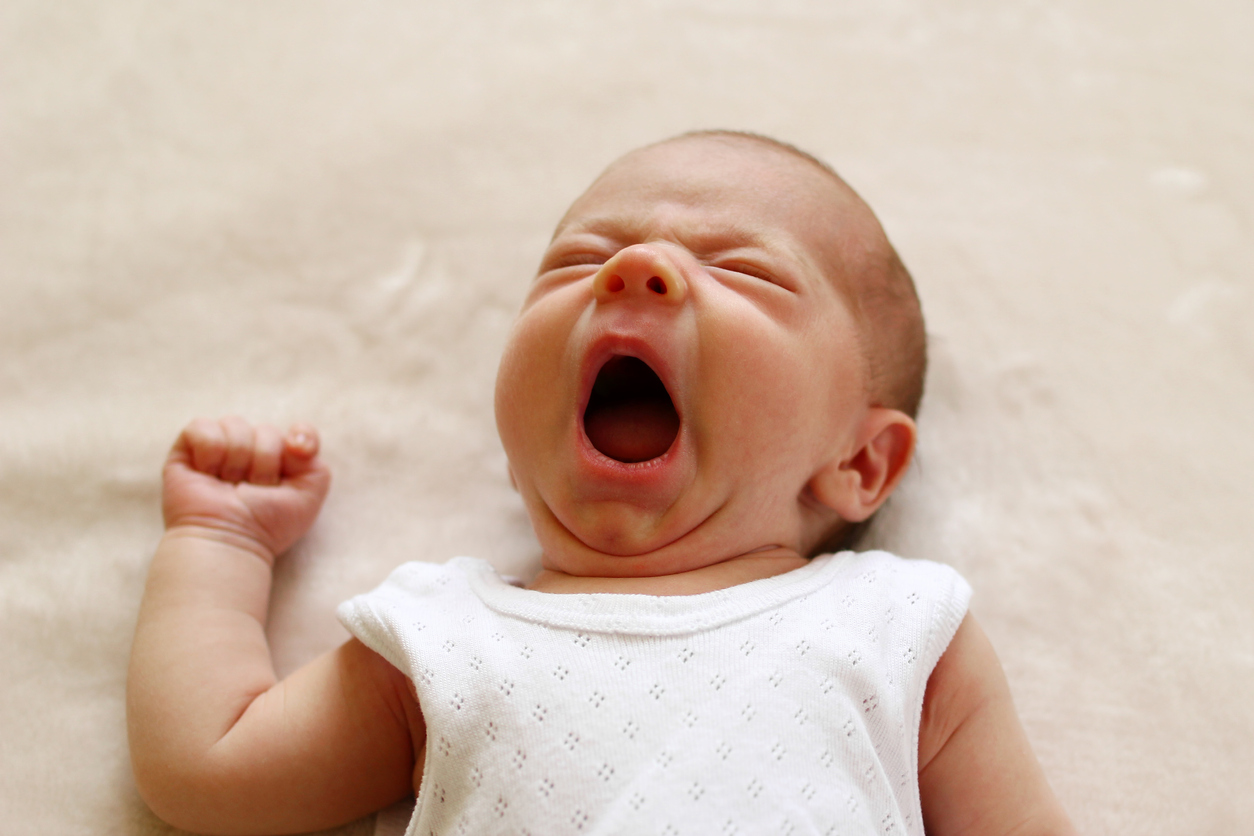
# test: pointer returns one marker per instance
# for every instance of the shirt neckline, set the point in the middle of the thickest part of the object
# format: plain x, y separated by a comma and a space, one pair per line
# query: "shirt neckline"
641, 614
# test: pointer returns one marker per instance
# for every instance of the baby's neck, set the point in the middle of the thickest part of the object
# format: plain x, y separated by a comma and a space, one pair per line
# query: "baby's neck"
728, 573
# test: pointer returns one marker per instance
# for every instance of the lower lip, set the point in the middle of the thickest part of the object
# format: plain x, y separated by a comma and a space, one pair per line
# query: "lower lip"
599, 459
646, 483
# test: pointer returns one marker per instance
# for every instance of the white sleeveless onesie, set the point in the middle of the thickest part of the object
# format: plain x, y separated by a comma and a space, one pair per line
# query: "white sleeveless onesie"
788, 705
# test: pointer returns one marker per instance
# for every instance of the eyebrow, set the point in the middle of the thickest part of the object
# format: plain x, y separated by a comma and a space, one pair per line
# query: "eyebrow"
730, 236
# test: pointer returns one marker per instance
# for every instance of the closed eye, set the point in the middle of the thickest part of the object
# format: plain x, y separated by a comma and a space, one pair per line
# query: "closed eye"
752, 271
559, 261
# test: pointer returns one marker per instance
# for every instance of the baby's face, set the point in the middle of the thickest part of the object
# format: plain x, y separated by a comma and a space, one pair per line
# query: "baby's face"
684, 363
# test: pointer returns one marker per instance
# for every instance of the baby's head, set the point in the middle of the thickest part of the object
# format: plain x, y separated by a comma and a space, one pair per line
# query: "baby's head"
721, 354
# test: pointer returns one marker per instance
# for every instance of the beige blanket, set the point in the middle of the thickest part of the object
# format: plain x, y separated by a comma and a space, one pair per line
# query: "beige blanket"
330, 211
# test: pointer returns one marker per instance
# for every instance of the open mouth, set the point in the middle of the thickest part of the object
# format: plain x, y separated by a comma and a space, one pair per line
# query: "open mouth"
630, 417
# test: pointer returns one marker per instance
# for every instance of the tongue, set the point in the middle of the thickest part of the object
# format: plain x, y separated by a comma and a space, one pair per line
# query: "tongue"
634, 432
630, 416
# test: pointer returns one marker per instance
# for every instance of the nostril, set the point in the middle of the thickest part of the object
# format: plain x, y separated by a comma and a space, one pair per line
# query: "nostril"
615, 284
656, 285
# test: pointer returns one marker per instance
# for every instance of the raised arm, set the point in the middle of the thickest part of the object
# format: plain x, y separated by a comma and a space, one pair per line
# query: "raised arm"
217, 745
978, 775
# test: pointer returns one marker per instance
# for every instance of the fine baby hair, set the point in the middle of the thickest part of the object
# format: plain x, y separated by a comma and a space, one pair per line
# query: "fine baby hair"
877, 283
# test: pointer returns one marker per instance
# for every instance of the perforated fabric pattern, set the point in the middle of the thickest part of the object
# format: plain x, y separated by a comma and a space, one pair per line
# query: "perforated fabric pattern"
787, 705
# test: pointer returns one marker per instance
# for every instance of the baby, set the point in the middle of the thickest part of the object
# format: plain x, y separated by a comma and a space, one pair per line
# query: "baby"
712, 378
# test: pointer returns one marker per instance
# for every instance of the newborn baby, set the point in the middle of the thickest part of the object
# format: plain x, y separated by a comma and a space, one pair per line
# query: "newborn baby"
713, 378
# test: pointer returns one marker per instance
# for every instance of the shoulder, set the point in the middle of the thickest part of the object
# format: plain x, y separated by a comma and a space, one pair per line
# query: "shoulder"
929, 595
878, 566
392, 618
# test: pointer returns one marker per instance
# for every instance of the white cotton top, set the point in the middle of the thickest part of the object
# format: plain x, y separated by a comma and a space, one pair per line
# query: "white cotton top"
788, 705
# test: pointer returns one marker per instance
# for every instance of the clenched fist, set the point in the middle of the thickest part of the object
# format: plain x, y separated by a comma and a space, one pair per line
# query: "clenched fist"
251, 485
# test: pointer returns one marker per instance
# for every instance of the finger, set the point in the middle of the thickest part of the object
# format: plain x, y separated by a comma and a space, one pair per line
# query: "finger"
239, 449
300, 449
267, 456
204, 444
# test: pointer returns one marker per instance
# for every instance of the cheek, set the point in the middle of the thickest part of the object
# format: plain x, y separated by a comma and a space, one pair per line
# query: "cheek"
532, 396
777, 391
766, 385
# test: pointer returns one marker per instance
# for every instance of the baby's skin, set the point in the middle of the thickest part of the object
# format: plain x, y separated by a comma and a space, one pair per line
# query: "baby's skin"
705, 259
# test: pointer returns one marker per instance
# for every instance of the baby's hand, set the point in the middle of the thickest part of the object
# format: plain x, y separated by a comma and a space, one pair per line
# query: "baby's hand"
253, 486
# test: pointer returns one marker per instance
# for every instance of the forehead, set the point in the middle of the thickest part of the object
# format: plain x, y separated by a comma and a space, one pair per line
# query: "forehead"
714, 191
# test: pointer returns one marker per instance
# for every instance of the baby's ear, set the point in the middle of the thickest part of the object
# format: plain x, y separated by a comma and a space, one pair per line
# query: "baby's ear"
857, 485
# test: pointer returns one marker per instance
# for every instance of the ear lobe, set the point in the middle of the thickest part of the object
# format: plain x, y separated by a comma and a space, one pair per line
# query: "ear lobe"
858, 485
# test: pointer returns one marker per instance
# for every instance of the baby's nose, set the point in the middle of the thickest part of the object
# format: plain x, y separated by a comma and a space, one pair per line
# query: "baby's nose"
641, 272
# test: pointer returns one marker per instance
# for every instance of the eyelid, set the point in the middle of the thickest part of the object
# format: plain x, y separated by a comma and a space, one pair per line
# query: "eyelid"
575, 259
575, 254
748, 270
752, 271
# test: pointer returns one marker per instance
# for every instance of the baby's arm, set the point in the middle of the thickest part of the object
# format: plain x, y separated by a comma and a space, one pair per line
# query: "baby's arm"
977, 772
217, 745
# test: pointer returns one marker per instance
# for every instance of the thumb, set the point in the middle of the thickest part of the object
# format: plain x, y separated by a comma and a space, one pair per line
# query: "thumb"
300, 450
